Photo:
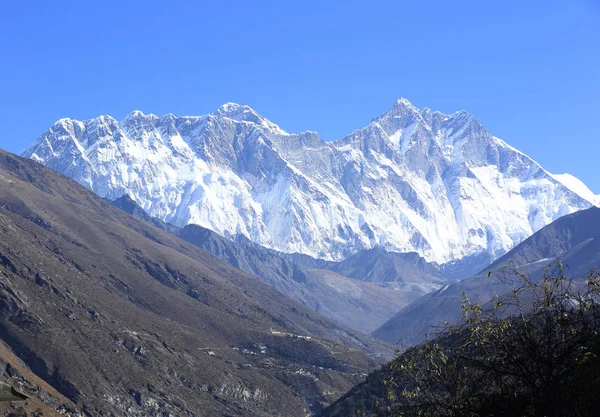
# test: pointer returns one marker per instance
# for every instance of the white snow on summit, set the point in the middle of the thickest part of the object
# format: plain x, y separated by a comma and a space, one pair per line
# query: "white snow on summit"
437, 184
577, 186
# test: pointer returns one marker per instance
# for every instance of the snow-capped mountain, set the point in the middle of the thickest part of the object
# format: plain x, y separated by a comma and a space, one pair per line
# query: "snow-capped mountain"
437, 184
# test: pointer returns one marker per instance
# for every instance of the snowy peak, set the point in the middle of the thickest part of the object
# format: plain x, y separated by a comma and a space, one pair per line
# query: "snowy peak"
402, 110
138, 117
411, 180
239, 112
403, 114
134, 115
243, 113
404, 126
577, 186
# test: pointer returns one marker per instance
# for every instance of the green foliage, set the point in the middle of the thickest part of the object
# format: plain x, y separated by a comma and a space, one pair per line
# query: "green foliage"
532, 351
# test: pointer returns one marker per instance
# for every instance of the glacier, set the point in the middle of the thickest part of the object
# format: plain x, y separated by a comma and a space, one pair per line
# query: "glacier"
412, 180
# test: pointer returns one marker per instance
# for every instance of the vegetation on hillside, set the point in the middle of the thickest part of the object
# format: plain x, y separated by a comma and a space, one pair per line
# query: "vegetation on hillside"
532, 351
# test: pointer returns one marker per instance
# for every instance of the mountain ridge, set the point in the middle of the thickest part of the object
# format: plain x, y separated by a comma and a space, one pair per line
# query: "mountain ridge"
410, 181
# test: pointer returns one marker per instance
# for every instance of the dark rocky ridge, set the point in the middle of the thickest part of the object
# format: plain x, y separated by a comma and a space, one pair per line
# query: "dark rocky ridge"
122, 318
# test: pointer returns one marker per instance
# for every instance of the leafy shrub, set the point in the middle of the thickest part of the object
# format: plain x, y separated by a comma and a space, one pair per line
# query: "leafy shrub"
534, 351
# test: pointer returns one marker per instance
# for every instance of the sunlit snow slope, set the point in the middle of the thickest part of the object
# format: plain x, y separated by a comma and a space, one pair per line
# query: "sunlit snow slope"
412, 180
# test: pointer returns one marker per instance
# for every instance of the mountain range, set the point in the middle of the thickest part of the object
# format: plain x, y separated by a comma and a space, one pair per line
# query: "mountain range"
412, 180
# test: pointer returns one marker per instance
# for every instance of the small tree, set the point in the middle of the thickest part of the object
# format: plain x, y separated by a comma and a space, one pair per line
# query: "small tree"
533, 351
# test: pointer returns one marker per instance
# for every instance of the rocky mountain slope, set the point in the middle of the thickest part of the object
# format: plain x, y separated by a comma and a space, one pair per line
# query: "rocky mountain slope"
117, 317
43, 399
574, 239
412, 180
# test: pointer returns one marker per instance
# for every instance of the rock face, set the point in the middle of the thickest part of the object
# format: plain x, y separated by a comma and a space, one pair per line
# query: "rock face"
117, 317
411, 181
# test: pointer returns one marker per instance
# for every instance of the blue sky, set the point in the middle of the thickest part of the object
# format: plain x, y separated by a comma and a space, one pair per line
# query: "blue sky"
529, 71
